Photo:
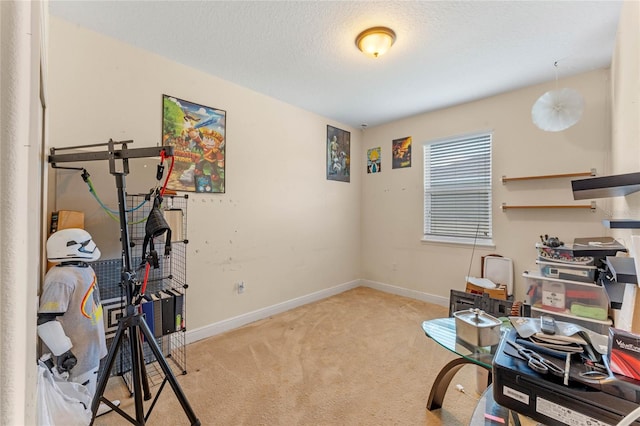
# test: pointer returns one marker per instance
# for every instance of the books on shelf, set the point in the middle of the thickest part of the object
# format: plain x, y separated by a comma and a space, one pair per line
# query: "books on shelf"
153, 313
163, 311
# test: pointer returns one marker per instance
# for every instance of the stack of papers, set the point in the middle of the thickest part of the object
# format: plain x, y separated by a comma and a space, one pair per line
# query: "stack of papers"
481, 282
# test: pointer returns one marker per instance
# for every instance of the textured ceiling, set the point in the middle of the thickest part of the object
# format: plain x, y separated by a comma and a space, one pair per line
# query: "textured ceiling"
303, 52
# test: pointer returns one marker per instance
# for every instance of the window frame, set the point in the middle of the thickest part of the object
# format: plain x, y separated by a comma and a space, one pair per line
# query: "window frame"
481, 186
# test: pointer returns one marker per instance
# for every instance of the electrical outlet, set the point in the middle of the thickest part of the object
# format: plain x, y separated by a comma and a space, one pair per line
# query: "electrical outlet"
240, 287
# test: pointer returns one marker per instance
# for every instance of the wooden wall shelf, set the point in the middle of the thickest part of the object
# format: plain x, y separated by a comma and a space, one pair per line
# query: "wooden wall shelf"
591, 206
565, 175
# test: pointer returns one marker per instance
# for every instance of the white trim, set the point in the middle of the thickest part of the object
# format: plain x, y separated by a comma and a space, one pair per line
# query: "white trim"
401, 291
244, 319
460, 136
458, 241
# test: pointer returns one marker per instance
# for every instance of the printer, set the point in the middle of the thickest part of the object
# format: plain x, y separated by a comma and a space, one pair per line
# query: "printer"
590, 400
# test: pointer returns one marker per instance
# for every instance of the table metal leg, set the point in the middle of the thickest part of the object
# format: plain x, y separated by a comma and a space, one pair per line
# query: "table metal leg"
439, 388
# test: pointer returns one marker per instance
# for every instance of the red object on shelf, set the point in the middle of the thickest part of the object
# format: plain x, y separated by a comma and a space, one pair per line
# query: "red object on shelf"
582, 294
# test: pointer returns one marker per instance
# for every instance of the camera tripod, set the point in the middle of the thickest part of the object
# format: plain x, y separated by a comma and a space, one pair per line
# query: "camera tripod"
132, 325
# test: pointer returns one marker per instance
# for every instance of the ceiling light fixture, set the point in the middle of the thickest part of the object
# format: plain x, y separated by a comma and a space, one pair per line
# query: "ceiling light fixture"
375, 41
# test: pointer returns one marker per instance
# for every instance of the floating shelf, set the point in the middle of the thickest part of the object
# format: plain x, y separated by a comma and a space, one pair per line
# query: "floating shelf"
623, 269
606, 186
591, 206
565, 175
621, 223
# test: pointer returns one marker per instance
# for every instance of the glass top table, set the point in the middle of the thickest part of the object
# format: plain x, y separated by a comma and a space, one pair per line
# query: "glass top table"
443, 331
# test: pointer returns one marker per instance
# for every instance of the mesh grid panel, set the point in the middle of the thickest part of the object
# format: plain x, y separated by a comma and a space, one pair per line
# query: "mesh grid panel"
169, 275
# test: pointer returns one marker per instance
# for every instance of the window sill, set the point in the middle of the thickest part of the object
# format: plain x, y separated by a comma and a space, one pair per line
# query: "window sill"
458, 241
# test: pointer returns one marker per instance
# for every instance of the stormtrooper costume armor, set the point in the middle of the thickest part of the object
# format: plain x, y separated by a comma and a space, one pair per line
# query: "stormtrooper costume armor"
70, 319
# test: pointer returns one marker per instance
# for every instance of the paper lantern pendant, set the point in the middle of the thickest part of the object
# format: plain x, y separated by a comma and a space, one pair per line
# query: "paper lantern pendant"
557, 110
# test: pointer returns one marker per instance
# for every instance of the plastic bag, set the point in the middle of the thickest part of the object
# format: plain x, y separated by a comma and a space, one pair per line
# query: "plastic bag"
60, 402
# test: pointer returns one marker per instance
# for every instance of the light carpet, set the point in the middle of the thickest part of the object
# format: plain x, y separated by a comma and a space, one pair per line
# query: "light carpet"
357, 358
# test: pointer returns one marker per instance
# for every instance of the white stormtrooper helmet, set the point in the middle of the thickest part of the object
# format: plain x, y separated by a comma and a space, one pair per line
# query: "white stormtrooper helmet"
71, 244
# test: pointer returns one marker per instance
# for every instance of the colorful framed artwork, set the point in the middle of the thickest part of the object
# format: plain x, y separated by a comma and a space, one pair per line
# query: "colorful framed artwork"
197, 135
401, 150
338, 154
373, 160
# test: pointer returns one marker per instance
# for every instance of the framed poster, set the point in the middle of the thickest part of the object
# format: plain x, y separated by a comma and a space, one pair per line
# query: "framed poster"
338, 154
401, 149
197, 135
373, 160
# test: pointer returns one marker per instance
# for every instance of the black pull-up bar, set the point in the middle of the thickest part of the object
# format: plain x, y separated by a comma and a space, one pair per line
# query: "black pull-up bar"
111, 154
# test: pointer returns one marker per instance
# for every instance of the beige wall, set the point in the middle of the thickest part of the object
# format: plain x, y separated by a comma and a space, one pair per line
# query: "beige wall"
281, 226
625, 144
392, 207
625, 101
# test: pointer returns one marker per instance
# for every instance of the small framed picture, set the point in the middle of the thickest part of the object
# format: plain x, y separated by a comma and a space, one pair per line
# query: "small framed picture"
338, 154
401, 149
373, 160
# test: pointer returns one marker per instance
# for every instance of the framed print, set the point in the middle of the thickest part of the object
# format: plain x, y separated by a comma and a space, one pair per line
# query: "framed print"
401, 150
373, 160
338, 154
197, 135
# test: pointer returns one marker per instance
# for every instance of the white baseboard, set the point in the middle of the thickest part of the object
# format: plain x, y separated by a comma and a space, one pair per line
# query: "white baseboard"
400, 291
244, 319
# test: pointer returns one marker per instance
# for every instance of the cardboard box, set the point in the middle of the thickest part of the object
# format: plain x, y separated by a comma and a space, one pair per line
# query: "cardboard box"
500, 292
65, 219
624, 353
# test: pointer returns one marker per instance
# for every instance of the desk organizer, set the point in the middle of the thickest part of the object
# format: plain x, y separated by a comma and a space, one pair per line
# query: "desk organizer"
583, 303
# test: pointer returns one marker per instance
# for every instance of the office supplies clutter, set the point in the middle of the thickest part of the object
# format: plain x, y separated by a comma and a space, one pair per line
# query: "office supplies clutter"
568, 337
566, 297
537, 362
588, 396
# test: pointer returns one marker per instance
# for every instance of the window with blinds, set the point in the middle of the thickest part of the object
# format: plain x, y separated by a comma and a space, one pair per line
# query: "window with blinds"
457, 189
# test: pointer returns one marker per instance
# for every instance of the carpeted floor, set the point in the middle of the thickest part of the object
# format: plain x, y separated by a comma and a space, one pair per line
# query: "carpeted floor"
357, 358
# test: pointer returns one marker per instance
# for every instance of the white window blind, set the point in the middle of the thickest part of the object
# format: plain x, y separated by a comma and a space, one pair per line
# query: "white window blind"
457, 189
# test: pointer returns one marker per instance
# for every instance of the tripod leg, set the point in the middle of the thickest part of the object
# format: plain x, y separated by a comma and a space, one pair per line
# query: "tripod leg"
167, 372
104, 376
143, 370
136, 370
